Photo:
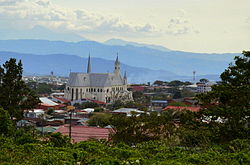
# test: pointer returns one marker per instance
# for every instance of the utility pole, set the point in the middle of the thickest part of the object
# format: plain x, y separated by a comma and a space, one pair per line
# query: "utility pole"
70, 123
70, 110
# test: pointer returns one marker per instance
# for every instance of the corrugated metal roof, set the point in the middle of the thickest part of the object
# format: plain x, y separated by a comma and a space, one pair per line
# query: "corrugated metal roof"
47, 102
127, 110
82, 133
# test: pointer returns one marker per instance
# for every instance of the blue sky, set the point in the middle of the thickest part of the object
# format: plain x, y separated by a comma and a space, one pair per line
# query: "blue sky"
188, 25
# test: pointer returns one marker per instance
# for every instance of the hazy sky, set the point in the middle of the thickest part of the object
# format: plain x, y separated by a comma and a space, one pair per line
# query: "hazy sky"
188, 25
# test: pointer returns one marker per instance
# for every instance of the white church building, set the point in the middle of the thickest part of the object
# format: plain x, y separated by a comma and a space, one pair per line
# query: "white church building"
105, 87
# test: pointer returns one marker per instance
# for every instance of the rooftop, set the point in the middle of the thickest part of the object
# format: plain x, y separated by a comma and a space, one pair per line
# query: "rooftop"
83, 133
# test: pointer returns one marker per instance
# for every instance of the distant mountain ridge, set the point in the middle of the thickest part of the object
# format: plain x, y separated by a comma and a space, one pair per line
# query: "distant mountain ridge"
62, 64
177, 62
35, 33
120, 42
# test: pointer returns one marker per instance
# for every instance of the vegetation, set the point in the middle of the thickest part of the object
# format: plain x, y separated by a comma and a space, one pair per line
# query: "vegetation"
178, 104
15, 95
174, 83
229, 101
100, 120
96, 152
45, 89
219, 134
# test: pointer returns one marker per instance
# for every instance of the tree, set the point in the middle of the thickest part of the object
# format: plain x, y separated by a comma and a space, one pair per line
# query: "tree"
204, 80
177, 94
175, 83
230, 100
101, 120
15, 96
6, 125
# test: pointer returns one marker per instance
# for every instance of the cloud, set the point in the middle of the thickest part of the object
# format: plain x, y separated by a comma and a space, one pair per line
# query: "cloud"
180, 25
30, 13
248, 19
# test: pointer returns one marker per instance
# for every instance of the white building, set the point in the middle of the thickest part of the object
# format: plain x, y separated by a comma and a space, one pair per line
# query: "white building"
105, 87
204, 87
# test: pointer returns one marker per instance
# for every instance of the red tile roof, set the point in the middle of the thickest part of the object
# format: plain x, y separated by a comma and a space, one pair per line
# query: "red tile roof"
98, 102
193, 109
137, 88
62, 99
83, 133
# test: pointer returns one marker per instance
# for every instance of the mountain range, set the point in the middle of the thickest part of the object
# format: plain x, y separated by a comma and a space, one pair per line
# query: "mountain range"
178, 62
141, 61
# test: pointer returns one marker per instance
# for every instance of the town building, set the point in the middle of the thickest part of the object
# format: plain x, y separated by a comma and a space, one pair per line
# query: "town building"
104, 87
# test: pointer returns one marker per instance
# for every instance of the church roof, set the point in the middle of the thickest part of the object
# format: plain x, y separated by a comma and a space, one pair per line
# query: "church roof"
94, 79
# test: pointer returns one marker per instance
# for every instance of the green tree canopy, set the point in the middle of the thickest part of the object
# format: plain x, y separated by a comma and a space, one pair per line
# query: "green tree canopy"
15, 96
6, 125
230, 100
234, 88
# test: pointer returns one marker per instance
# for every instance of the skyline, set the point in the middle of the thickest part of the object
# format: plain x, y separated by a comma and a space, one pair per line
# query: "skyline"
215, 26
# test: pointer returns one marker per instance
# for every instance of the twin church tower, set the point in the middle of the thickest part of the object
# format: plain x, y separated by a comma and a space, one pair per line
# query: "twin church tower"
104, 87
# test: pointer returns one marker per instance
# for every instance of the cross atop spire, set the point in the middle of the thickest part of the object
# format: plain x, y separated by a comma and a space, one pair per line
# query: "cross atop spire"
89, 65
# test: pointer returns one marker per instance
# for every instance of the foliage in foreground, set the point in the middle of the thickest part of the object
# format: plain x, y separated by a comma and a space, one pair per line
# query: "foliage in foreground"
102, 152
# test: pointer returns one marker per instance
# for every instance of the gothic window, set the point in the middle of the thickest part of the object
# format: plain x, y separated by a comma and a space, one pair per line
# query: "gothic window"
87, 90
76, 93
81, 93
107, 90
72, 94
101, 90
94, 89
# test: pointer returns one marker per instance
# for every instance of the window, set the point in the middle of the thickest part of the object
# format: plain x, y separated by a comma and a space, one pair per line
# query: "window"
72, 94
76, 93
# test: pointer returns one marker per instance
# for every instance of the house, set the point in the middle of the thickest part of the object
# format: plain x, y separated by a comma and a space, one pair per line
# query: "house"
127, 111
46, 104
60, 100
36, 113
83, 133
137, 88
60, 95
159, 103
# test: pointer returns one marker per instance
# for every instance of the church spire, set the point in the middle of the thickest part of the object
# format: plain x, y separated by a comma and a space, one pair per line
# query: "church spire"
89, 65
117, 65
125, 78
117, 62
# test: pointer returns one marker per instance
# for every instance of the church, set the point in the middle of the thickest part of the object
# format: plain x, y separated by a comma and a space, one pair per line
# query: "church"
104, 87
